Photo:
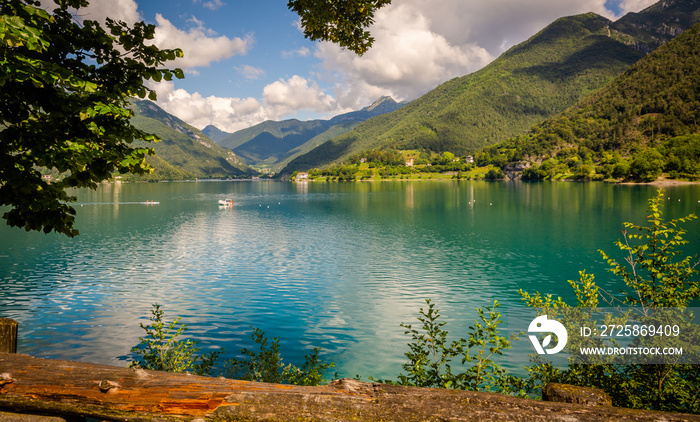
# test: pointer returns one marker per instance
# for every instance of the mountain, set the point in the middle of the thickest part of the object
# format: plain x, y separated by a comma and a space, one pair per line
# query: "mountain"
642, 123
184, 152
658, 23
533, 81
272, 143
214, 133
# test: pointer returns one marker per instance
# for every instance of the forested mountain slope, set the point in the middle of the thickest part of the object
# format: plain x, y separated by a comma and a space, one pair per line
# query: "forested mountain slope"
529, 83
533, 81
273, 142
214, 133
646, 120
184, 152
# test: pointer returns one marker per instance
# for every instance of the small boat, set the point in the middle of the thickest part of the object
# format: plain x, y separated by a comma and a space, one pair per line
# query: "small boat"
226, 202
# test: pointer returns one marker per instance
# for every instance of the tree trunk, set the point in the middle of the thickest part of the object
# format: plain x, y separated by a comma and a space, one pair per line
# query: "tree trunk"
77, 390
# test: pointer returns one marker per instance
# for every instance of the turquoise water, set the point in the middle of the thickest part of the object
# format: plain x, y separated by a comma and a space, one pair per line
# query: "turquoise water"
335, 265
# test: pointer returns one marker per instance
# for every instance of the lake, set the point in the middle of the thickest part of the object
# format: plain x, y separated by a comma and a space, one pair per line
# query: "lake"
334, 265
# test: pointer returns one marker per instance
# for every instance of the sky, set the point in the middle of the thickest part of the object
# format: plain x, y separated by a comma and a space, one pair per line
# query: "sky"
247, 61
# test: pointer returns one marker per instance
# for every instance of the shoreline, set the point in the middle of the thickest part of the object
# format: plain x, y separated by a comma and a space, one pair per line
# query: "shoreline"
659, 182
663, 183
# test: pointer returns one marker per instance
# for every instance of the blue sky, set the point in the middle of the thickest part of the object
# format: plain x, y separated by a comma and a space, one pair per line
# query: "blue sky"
247, 61
270, 25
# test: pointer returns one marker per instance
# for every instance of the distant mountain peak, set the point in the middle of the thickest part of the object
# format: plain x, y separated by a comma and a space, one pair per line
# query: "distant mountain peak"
382, 102
214, 133
658, 23
271, 142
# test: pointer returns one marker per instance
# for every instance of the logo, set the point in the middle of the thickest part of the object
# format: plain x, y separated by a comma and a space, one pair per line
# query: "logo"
543, 325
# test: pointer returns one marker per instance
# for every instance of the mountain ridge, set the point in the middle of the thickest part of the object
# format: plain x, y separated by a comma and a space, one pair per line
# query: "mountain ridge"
498, 101
273, 142
643, 123
184, 151
532, 81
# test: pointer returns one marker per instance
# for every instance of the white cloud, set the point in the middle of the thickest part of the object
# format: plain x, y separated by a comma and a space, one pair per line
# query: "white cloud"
407, 59
214, 4
120, 10
250, 72
302, 52
635, 5
211, 4
422, 43
228, 114
200, 48
282, 98
98, 10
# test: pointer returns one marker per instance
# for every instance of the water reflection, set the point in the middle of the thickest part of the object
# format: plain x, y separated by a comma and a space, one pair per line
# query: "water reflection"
336, 265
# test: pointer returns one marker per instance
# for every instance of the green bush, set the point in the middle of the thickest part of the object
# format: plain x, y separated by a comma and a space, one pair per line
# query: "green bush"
655, 276
160, 349
647, 165
431, 354
266, 364
495, 173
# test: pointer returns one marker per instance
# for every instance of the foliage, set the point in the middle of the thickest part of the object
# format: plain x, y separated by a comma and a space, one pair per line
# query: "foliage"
430, 353
483, 373
266, 364
647, 118
311, 372
160, 349
388, 157
655, 277
342, 22
682, 155
391, 164
65, 91
647, 165
343, 173
495, 173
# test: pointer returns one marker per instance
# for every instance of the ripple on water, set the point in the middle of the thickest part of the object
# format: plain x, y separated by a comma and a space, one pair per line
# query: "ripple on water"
337, 266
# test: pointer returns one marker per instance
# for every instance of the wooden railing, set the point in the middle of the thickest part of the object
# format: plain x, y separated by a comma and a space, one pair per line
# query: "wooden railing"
77, 390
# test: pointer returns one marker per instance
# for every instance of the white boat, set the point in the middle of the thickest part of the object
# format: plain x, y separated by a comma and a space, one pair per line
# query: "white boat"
226, 202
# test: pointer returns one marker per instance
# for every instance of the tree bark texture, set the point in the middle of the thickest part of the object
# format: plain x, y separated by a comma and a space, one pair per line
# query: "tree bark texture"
75, 389
8, 335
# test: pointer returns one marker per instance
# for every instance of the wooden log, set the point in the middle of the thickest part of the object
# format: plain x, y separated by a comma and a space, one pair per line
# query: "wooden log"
8, 335
14, 417
74, 389
574, 394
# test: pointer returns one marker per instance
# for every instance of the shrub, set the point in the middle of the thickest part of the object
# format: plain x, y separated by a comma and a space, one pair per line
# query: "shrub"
266, 365
495, 173
655, 277
647, 165
430, 353
160, 349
